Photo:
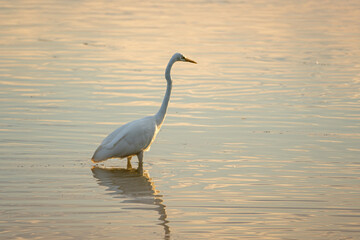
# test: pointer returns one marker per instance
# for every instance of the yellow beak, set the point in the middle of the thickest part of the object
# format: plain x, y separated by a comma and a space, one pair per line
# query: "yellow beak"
189, 60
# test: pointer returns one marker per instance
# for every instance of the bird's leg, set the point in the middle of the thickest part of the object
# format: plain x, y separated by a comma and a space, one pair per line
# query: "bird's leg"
128, 163
140, 169
140, 166
140, 156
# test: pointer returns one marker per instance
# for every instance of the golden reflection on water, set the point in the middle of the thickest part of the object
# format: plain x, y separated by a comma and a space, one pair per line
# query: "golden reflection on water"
134, 184
268, 124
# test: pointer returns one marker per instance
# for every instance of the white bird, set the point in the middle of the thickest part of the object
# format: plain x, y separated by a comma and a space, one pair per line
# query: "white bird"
136, 137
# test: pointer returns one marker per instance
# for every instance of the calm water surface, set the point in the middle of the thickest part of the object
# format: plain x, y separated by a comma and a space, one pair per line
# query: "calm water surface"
261, 140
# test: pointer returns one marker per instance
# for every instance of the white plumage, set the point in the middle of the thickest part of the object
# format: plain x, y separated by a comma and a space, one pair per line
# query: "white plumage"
136, 137
127, 140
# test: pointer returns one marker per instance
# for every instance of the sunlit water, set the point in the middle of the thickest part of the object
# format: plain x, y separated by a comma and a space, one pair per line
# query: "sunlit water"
261, 140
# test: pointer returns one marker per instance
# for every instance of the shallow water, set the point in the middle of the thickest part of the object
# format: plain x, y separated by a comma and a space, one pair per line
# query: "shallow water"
261, 140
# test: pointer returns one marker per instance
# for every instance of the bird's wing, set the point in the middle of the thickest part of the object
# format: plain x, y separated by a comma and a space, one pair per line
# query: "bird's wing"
128, 140
136, 135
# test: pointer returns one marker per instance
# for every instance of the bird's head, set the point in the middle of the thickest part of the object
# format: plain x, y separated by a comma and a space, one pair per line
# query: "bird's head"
180, 57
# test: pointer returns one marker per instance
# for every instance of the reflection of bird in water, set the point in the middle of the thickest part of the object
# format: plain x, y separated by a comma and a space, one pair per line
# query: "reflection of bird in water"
136, 137
136, 185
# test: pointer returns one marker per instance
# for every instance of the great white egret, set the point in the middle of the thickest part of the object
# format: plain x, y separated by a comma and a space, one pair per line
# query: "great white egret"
136, 137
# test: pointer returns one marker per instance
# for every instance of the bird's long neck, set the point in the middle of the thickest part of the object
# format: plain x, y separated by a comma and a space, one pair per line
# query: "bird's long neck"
160, 115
